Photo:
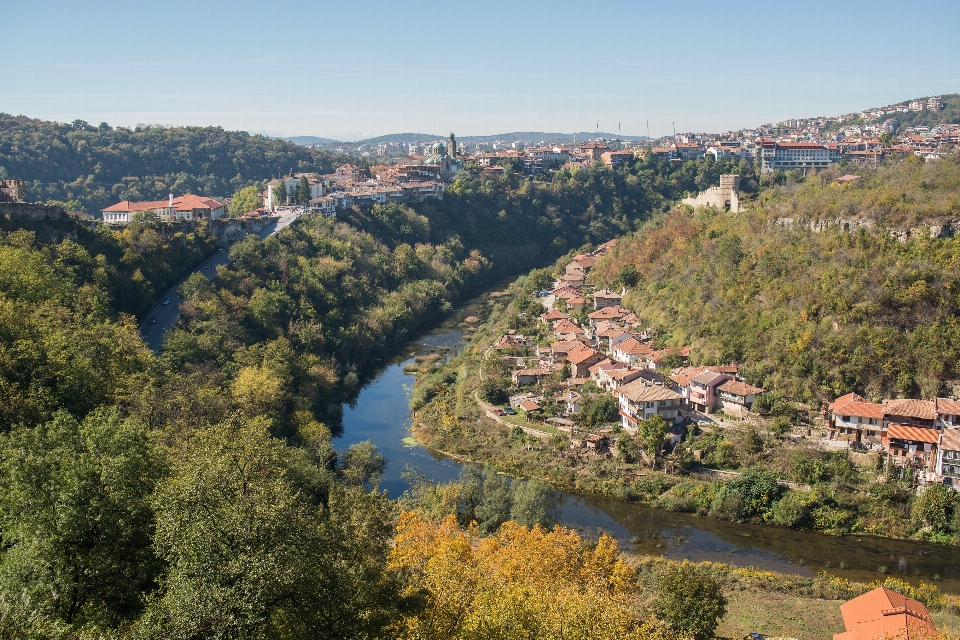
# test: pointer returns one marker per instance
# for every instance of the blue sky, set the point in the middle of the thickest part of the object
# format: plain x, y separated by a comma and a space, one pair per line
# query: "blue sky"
352, 69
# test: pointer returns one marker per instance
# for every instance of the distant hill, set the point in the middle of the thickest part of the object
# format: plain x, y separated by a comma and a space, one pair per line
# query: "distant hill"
405, 138
526, 137
534, 137
97, 166
306, 141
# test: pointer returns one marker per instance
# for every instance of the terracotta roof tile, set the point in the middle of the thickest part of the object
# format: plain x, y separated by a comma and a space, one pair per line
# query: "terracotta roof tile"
923, 409
738, 388
917, 434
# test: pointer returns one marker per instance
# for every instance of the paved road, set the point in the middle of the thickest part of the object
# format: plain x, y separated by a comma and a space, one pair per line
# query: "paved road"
167, 314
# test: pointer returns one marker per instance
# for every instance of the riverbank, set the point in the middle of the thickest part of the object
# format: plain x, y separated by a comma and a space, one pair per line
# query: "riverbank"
846, 497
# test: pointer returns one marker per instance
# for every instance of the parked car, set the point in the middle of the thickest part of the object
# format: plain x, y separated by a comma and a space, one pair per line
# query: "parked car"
152, 320
510, 411
499, 412
166, 301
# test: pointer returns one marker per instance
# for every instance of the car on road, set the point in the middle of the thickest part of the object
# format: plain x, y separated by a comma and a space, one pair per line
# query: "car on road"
152, 320
166, 301
206, 266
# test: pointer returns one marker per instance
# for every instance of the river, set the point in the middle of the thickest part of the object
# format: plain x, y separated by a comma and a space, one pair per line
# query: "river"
381, 414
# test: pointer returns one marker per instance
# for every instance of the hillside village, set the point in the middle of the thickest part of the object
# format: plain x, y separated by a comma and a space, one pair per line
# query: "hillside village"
595, 343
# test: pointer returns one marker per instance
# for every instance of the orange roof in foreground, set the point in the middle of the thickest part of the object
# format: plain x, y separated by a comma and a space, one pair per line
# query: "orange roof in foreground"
884, 614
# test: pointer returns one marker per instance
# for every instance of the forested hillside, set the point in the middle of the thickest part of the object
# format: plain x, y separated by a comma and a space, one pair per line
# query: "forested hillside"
809, 314
97, 166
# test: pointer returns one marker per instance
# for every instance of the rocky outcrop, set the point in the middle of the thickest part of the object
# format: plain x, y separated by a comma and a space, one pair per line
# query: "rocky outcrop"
945, 229
230, 230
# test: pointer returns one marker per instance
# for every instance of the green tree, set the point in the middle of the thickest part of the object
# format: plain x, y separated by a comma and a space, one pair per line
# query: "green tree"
261, 542
933, 510
651, 433
362, 463
597, 410
244, 200
690, 599
76, 523
303, 191
535, 502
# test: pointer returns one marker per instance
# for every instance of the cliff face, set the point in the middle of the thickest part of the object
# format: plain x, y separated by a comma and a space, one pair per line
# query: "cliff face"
943, 229
230, 230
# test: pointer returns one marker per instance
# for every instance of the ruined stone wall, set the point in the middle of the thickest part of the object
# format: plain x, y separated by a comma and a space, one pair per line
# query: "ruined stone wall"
31, 211
727, 195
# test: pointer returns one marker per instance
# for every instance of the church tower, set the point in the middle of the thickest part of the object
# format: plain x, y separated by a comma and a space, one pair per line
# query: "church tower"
452, 147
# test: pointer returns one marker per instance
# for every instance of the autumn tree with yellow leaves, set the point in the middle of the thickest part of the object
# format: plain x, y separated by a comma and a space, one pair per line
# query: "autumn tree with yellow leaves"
520, 583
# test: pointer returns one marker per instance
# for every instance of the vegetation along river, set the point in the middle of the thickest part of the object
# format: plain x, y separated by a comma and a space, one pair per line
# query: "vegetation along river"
381, 414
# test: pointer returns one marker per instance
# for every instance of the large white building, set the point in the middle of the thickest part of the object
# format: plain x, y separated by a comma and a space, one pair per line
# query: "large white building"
781, 156
188, 207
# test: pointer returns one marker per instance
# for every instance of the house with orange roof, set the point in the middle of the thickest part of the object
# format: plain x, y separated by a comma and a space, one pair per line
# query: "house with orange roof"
608, 313
884, 614
736, 397
642, 399
553, 316
187, 207
912, 446
576, 304
581, 361
948, 413
566, 330
631, 351
605, 298
853, 417
916, 413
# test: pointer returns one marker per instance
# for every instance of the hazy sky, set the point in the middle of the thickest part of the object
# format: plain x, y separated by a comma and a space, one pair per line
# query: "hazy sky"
359, 68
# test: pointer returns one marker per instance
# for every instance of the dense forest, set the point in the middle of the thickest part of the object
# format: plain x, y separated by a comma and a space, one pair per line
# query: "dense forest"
92, 167
810, 315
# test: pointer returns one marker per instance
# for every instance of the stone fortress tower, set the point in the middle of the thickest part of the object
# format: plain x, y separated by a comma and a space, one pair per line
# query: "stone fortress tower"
726, 196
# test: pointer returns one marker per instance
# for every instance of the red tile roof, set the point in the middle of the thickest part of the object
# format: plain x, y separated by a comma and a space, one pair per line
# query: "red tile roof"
948, 406
923, 409
916, 434
738, 388
854, 405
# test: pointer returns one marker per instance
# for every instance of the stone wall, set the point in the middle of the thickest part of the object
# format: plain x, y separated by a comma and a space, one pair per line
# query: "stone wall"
31, 211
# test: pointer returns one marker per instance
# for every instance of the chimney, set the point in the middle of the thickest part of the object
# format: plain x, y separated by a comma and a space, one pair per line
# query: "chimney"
171, 201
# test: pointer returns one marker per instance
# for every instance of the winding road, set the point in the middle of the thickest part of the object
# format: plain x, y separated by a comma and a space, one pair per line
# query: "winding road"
167, 314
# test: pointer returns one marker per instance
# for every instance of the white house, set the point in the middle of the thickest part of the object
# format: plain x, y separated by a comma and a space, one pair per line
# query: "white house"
641, 400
